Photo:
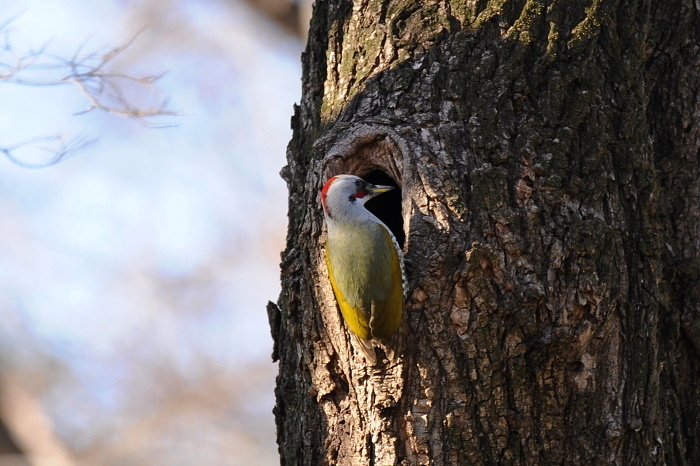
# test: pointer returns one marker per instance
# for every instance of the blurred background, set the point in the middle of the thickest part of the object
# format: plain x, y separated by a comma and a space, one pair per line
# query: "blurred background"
141, 222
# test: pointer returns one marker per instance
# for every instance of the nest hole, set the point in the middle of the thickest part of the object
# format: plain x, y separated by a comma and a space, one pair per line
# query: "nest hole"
387, 206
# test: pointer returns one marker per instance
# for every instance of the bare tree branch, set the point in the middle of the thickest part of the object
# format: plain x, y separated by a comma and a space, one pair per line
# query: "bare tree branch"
93, 74
59, 149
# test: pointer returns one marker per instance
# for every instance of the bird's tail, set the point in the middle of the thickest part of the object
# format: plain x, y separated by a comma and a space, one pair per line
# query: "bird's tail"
367, 348
393, 346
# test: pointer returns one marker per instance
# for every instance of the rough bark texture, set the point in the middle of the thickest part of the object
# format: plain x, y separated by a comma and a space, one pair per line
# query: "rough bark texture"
547, 154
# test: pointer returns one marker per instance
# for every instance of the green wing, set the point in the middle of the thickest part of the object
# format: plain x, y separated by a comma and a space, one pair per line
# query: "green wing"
371, 295
387, 313
353, 315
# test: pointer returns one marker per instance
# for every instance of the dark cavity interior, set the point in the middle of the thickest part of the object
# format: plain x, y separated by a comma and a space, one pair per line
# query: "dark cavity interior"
387, 206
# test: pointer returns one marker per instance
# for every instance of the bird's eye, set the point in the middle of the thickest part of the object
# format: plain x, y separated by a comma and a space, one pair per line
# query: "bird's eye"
358, 183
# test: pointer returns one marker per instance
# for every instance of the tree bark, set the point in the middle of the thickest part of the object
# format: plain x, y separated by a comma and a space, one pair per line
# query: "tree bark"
547, 155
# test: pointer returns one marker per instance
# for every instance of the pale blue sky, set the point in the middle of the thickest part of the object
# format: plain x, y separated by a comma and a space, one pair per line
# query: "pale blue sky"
153, 246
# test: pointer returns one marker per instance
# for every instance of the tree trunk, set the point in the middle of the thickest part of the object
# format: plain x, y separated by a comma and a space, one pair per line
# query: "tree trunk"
547, 155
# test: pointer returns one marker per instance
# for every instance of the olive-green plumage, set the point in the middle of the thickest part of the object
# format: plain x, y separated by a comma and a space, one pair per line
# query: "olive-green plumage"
365, 265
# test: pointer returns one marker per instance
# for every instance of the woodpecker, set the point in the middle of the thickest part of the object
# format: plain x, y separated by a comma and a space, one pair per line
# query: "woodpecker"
365, 265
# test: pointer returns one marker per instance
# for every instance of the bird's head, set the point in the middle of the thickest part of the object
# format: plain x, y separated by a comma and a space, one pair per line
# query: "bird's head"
346, 194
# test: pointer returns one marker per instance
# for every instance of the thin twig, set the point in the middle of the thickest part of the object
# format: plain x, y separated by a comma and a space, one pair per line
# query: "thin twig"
65, 149
90, 73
